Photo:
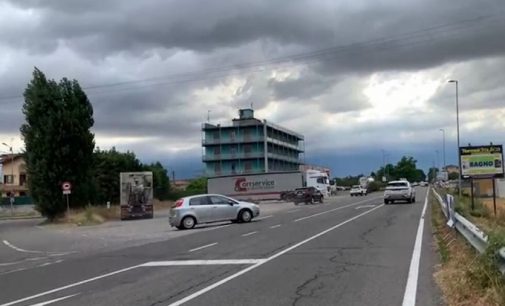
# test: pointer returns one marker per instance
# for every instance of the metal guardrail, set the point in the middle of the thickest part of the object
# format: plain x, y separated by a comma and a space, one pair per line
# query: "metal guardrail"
475, 236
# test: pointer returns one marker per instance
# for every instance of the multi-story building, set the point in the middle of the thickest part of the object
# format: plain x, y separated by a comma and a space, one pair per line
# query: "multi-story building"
250, 145
14, 175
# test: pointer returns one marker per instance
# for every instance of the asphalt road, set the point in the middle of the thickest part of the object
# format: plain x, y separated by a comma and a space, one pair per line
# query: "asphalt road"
348, 251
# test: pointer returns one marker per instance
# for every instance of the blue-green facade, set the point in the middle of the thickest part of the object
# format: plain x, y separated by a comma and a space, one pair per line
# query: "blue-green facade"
240, 148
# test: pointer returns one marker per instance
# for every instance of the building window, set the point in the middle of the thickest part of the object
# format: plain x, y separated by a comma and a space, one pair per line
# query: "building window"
233, 168
22, 179
8, 179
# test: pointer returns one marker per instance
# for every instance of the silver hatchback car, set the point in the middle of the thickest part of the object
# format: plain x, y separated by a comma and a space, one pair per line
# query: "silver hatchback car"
206, 208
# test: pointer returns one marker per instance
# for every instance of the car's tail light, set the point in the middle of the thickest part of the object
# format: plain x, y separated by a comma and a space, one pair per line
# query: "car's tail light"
179, 203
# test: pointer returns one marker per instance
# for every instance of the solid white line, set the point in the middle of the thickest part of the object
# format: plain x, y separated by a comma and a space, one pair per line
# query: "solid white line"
7, 243
239, 273
265, 217
329, 211
249, 234
207, 229
70, 286
169, 263
55, 300
275, 226
409, 298
203, 247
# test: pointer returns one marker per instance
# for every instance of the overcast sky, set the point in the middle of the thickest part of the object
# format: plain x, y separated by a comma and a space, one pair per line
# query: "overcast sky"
355, 77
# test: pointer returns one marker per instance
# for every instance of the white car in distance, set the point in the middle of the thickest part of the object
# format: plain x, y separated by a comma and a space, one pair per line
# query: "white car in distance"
357, 190
399, 191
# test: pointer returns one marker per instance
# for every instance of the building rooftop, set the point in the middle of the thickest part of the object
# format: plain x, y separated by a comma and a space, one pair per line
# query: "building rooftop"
8, 157
246, 118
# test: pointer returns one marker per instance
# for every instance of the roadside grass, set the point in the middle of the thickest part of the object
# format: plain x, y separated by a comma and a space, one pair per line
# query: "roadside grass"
94, 215
6, 214
482, 215
464, 276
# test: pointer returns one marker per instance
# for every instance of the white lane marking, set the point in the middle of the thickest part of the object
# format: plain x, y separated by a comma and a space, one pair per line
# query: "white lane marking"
55, 300
241, 272
169, 263
263, 218
7, 243
275, 226
3, 264
10, 245
13, 271
249, 234
45, 264
409, 298
203, 247
70, 286
208, 229
331, 210
364, 206
292, 211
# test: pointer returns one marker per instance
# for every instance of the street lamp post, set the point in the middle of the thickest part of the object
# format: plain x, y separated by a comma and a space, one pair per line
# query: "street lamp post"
443, 147
457, 130
12, 178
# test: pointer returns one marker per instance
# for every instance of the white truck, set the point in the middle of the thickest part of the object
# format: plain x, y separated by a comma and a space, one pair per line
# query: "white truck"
267, 186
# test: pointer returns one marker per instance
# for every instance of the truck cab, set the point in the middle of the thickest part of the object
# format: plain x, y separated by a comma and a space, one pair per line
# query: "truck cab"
319, 180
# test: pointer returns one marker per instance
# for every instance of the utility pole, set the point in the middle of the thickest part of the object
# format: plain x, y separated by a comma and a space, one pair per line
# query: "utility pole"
457, 126
443, 146
11, 198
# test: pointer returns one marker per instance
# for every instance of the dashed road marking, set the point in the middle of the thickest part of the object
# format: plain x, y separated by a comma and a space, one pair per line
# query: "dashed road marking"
169, 263
203, 247
249, 234
331, 210
55, 300
263, 218
275, 226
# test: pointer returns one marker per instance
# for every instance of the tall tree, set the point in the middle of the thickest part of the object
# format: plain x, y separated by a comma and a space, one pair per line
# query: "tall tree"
161, 181
58, 142
406, 168
107, 167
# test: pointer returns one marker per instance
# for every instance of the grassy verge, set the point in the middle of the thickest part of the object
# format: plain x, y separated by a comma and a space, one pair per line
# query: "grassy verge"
94, 215
465, 277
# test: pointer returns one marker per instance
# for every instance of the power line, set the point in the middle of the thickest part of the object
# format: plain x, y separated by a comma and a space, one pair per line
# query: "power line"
407, 39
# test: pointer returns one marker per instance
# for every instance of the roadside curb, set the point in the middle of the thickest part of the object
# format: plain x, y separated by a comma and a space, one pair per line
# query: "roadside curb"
20, 218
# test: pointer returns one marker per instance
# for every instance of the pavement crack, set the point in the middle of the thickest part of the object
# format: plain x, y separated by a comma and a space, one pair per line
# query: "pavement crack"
307, 289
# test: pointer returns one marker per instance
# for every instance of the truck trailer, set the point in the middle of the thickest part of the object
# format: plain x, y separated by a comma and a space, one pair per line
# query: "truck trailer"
267, 186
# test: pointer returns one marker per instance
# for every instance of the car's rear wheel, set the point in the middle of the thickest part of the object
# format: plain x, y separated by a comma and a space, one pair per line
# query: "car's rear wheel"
188, 222
245, 215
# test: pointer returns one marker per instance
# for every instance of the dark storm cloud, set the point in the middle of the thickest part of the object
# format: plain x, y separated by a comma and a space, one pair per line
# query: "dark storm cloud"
103, 42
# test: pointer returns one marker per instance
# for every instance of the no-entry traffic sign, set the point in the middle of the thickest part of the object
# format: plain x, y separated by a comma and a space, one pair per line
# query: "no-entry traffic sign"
66, 187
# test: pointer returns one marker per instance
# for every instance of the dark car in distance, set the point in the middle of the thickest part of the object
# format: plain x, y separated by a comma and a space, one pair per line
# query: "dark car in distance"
307, 195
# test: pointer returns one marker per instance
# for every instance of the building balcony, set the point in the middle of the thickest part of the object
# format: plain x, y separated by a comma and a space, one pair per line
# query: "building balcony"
283, 157
278, 142
211, 173
232, 140
232, 156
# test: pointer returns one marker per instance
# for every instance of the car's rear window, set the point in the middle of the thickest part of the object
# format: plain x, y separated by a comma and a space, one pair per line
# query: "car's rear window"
356, 186
198, 201
397, 184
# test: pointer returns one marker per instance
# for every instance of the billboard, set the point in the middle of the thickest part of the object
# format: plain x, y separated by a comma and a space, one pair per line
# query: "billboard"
482, 161
136, 194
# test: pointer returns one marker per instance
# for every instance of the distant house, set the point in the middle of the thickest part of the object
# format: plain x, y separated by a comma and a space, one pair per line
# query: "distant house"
13, 175
180, 184
452, 169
